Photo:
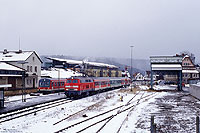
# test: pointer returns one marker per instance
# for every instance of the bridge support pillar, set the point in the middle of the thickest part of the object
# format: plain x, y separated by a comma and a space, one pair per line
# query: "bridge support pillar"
179, 83
151, 88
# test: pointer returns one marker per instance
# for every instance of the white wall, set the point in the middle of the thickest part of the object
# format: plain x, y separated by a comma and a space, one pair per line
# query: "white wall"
32, 74
195, 91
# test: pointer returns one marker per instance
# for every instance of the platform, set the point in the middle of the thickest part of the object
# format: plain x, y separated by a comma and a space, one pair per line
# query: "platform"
194, 90
17, 104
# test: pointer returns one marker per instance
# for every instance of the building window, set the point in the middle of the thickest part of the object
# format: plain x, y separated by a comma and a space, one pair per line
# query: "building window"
30, 68
27, 68
35, 68
33, 59
27, 82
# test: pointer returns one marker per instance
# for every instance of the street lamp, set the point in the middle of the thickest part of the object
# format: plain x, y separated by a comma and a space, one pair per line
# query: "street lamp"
131, 67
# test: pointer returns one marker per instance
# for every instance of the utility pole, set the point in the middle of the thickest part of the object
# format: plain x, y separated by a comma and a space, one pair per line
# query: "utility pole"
131, 67
23, 80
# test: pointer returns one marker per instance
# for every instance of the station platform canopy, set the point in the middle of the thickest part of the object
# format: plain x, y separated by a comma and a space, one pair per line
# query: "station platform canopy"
167, 64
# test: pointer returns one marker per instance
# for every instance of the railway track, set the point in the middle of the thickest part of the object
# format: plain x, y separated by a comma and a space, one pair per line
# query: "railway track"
108, 118
32, 110
129, 112
78, 112
131, 108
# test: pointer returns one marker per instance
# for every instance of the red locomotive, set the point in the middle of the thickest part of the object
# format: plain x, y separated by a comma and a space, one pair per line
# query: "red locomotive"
79, 86
85, 85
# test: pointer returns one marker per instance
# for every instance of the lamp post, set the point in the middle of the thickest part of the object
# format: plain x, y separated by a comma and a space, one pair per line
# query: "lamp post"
131, 67
59, 84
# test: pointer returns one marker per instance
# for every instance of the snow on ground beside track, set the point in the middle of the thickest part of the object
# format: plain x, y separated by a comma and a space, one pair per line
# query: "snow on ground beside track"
19, 97
138, 120
159, 87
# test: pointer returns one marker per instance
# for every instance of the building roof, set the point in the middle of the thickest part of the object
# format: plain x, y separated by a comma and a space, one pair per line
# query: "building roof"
186, 56
13, 56
59, 73
5, 66
81, 62
66, 60
190, 71
166, 67
165, 59
9, 75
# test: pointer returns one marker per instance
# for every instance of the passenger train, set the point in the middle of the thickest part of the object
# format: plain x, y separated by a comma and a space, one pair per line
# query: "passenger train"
78, 86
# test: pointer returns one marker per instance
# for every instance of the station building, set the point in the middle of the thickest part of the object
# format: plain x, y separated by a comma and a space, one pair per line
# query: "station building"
190, 73
18, 67
91, 69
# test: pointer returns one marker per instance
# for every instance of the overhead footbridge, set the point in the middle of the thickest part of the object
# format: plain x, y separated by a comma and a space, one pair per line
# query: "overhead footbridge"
167, 65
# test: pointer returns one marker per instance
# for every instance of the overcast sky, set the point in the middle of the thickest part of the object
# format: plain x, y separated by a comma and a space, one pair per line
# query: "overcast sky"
101, 28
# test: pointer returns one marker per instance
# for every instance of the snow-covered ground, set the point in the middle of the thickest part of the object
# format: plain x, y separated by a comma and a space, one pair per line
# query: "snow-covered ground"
174, 112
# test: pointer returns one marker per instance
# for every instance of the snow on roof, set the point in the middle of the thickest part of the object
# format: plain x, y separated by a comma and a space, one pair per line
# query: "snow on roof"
190, 71
59, 73
166, 67
66, 60
187, 56
86, 62
101, 64
15, 55
9, 75
5, 66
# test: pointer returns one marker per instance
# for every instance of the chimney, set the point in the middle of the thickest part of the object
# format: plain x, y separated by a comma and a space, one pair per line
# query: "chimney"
18, 52
5, 51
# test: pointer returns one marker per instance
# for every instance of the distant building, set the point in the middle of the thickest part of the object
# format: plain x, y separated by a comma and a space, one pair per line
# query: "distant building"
138, 76
189, 71
147, 76
20, 61
91, 69
126, 74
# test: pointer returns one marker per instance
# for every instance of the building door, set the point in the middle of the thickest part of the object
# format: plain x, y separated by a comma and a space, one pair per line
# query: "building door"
12, 80
33, 82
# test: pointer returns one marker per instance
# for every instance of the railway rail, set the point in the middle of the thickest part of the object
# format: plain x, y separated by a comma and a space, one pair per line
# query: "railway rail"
108, 118
32, 110
129, 112
78, 112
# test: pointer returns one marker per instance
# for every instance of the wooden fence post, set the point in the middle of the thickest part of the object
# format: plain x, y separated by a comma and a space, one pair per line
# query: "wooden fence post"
197, 124
152, 123
154, 128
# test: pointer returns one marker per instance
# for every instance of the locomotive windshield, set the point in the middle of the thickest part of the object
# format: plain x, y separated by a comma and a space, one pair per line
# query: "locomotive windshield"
69, 81
44, 83
75, 81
